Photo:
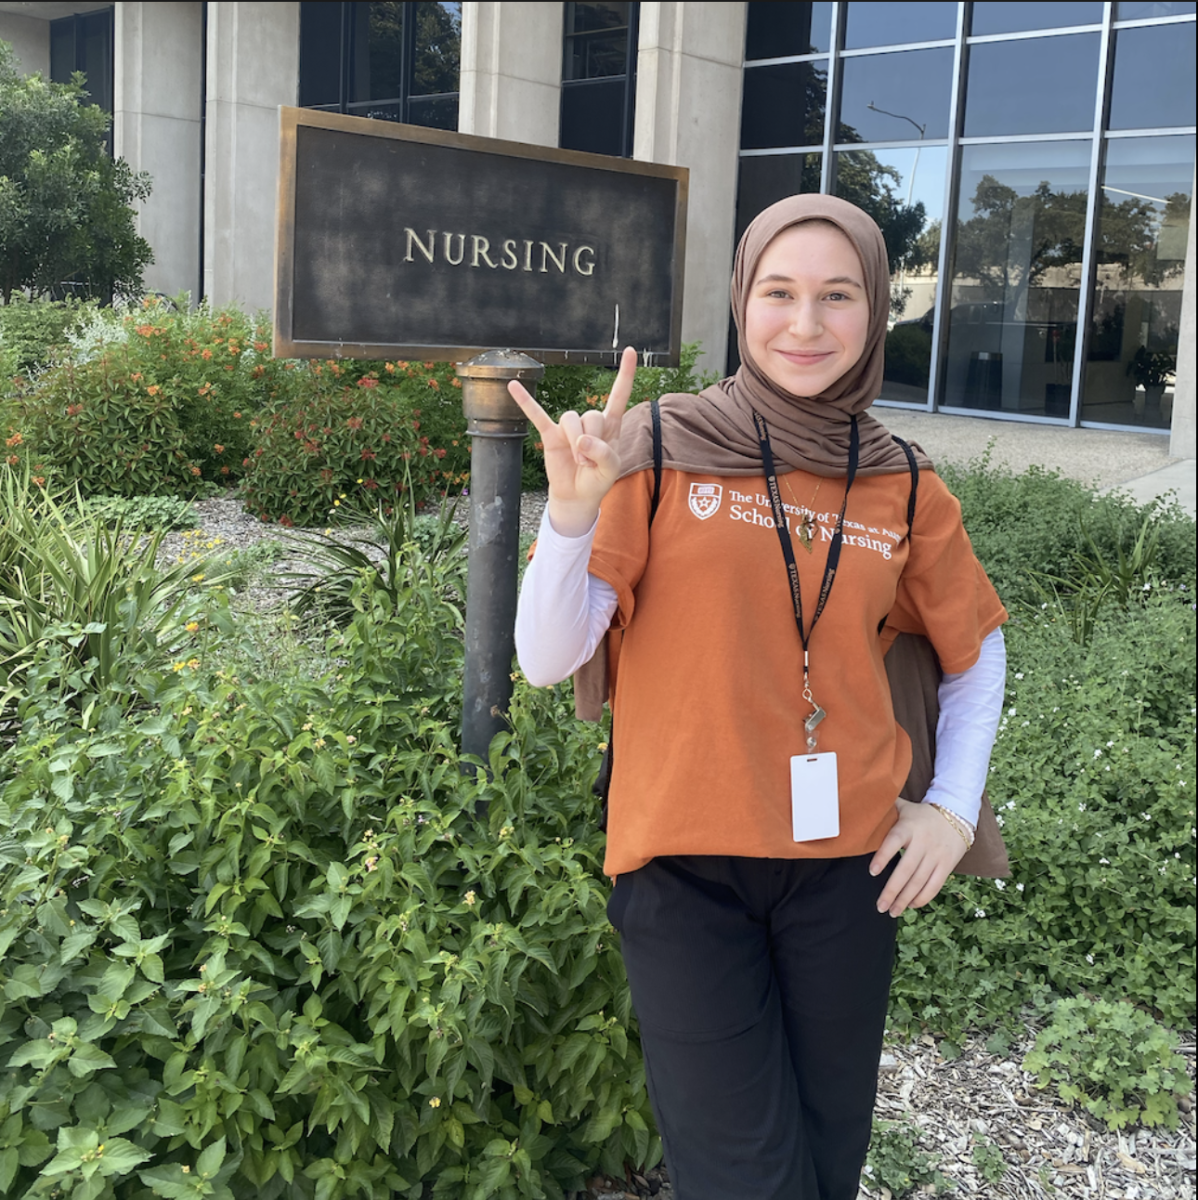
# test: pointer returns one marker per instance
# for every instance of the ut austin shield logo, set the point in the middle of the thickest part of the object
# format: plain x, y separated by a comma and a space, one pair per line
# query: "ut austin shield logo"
705, 499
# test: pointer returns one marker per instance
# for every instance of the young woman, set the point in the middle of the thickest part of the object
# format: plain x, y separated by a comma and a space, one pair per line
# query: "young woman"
755, 823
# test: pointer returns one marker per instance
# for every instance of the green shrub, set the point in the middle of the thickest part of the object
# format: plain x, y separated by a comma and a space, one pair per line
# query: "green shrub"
1114, 1060
30, 330
166, 513
88, 593
153, 402
1037, 522
260, 934
1093, 778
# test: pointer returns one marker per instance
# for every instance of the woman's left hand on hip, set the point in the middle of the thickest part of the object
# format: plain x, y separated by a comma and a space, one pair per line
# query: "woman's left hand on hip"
931, 849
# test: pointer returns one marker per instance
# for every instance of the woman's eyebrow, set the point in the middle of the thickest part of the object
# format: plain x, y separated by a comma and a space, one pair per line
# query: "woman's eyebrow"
836, 279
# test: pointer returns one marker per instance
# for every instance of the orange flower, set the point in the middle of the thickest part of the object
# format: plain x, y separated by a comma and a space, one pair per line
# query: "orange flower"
144, 330
205, 353
15, 440
136, 378
434, 384
456, 382
367, 455
153, 389
224, 470
195, 470
354, 422
237, 416
219, 448
261, 346
368, 382
390, 368
13, 459
40, 480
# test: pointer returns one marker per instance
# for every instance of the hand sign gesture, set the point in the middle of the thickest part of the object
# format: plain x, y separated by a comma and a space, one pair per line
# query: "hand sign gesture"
582, 453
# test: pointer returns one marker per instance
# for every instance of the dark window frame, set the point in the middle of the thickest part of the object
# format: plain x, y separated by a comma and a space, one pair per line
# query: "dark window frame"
628, 99
78, 24
346, 58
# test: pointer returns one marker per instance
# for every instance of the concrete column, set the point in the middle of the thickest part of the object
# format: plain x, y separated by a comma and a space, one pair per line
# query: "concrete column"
253, 67
688, 90
512, 71
1182, 436
157, 61
30, 40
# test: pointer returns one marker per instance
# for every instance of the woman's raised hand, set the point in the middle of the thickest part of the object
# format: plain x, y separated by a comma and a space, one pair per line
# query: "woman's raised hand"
582, 453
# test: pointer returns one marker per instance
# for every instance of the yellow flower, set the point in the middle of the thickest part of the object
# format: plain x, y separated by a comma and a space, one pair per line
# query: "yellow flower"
178, 666
435, 1102
198, 578
470, 899
192, 626
193, 663
319, 743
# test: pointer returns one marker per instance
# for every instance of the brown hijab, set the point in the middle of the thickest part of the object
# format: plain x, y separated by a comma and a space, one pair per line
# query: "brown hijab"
713, 433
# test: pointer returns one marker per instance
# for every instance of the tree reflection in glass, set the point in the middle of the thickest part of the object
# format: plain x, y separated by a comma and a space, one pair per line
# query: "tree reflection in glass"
903, 189
1016, 278
1143, 224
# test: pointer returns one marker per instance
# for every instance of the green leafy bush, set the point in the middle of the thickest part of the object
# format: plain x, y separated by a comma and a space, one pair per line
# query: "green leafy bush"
1114, 1060
258, 937
30, 330
166, 513
153, 402
88, 593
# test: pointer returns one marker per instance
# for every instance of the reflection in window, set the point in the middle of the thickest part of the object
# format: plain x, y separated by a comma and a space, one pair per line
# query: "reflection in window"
1140, 12
1163, 55
1014, 16
780, 29
903, 190
1144, 220
889, 97
83, 42
1033, 85
389, 60
783, 105
599, 78
888, 24
1016, 277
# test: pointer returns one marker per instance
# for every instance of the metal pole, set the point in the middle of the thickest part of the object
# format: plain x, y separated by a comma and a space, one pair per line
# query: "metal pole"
497, 428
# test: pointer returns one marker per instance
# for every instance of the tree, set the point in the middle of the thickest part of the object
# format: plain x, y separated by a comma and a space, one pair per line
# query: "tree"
65, 212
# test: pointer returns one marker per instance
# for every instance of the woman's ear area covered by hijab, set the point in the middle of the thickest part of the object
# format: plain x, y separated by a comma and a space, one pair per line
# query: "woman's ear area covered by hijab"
807, 314
856, 387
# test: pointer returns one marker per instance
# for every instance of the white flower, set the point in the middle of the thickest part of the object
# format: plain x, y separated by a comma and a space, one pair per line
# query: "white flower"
1109, 745
1010, 804
1106, 862
1019, 887
1011, 711
1000, 884
1081, 808
979, 912
1090, 959
1097, 753
999, 818
1018, 674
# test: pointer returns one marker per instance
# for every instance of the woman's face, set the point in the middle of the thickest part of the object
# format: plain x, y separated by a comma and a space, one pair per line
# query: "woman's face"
807, 315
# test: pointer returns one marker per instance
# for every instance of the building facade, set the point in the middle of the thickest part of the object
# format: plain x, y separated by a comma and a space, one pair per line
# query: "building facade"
1031, 164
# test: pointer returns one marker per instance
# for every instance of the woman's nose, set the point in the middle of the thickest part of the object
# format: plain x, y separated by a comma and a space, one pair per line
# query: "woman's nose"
805, 319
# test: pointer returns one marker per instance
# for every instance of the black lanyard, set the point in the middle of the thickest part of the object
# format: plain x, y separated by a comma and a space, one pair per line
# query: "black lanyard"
792, 570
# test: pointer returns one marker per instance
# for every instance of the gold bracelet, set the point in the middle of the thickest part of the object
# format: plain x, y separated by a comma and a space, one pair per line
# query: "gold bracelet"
958, 823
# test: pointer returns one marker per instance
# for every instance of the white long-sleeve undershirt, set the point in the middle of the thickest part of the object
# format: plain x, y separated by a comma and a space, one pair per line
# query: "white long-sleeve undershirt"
564, 612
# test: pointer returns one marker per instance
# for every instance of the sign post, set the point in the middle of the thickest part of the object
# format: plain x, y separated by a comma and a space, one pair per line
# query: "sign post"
497, 430
400, 242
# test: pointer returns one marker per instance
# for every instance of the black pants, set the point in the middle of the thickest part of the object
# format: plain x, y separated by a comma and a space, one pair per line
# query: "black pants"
761, 988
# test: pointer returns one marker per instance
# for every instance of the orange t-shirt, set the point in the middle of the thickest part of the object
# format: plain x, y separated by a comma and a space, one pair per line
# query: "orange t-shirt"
708, 706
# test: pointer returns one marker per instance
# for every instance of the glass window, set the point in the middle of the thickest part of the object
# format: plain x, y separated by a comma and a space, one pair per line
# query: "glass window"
1014, 16
389, 60
890, 97
1016, 277
1164, 57
903, 190
888, 24
596, 40
1143, 224
83, 42
1033, 85
780, 29
599, 78
784, 105
1138, 12
320, 63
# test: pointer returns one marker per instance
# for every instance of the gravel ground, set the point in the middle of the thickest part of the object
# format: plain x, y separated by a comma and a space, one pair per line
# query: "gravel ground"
1051, 1152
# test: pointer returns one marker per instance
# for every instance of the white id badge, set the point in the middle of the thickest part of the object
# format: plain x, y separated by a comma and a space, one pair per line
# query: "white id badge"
814, 797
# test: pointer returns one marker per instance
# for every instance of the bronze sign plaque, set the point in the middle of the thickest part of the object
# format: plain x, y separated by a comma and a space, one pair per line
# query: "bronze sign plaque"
402, 242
